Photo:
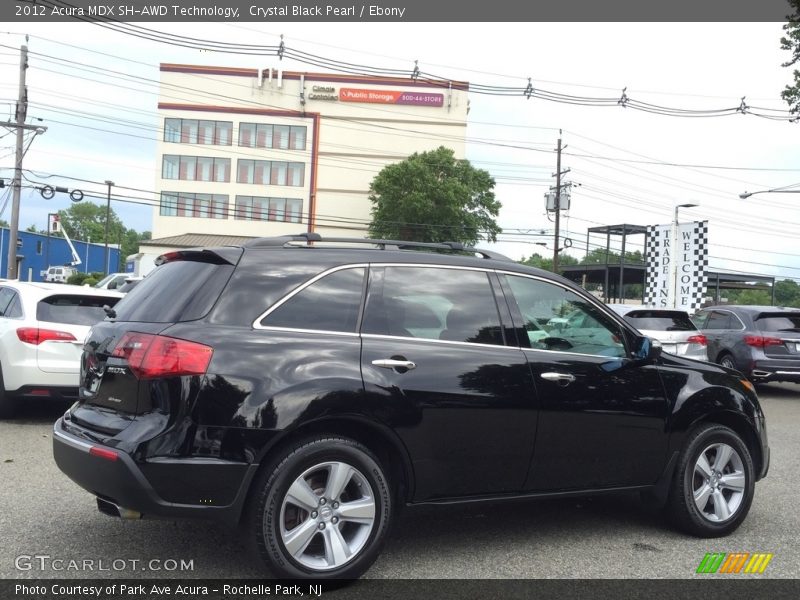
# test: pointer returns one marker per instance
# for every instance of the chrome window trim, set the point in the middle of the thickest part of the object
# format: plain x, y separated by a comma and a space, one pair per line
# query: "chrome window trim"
315, 331
380, 336
606, 356
297, 290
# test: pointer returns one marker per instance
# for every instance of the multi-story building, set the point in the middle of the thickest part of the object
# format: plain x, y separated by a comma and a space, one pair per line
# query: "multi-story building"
248, 152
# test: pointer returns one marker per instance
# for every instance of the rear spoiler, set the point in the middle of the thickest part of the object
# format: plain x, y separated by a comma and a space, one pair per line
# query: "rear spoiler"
228, 255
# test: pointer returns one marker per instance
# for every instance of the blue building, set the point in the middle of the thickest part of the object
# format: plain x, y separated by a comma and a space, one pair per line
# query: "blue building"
37, 251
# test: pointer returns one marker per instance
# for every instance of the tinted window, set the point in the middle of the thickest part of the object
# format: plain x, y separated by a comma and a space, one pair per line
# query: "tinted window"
182, 290
75, 310
559, 319
431, 303
779, 322
718, 320
329, 304
655, 320
14, 310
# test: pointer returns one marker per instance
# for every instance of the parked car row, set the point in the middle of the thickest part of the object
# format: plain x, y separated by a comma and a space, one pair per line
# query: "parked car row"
305, 392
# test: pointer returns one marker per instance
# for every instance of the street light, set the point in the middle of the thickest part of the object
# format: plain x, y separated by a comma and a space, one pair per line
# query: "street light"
746, 195
675, 252
108, 213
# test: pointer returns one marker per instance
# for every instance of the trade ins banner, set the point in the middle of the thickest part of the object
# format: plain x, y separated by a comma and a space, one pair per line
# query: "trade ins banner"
677, 265
390, 97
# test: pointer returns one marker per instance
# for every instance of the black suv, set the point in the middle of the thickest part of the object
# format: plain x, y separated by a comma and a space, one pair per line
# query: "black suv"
306, 391
763, 342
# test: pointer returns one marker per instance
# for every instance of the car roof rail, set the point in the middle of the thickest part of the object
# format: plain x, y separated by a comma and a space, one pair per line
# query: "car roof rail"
308, 238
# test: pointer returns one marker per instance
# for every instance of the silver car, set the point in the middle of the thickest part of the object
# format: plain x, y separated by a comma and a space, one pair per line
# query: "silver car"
673, 328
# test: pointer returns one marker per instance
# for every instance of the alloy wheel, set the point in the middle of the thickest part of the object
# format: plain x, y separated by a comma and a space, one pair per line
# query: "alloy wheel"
718, 482
327, 515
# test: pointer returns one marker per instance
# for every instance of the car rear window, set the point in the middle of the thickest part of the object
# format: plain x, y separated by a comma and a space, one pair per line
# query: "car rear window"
73, 310
660, 321
779, 321
182, 290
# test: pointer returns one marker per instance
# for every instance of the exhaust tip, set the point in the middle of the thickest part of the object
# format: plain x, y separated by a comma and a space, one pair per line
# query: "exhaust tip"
113, 510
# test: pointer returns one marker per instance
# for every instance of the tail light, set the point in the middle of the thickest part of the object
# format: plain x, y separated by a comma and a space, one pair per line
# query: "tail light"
698, 339
152, 356
760, 341
35, 335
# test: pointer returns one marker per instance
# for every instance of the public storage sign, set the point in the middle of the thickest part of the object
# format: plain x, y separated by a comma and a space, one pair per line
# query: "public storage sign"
390, 97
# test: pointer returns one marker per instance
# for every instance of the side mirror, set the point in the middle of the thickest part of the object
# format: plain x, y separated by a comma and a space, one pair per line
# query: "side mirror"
649, 350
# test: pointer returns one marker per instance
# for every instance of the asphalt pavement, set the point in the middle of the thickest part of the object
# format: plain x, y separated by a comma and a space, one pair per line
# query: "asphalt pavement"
43, 513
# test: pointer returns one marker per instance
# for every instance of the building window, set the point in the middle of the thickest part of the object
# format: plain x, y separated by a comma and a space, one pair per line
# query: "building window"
199, 206
261, 135
193, 131
255, 208
265, 172
39, 247
196, 168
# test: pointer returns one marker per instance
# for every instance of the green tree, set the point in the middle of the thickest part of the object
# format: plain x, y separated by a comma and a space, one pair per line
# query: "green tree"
546, 263
598, 257
791, 41
130, 244
757, 297
433, 197
4, 223
87, 221
787, 293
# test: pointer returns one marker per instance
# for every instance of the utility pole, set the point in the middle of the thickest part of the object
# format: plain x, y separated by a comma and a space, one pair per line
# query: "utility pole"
109, 183
557, 175
16, 184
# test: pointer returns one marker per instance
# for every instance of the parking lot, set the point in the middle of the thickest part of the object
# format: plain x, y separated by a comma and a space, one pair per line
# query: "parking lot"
45, 514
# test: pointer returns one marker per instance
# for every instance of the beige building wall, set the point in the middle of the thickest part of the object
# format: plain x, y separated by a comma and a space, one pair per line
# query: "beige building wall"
347, 142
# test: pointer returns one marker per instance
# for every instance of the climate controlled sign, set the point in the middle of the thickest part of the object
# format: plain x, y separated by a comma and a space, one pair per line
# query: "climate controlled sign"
390, 97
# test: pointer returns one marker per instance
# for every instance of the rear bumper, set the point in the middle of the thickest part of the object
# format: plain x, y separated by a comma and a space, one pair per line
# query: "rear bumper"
121, 482
776, 370
58, 393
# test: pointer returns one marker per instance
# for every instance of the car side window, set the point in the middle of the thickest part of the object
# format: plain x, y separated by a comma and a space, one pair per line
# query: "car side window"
556, 318
14, 310
718, 320
331, 303
432, 303
6, 298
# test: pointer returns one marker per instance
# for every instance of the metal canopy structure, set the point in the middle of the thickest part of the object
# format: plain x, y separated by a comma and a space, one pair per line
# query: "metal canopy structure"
618, 270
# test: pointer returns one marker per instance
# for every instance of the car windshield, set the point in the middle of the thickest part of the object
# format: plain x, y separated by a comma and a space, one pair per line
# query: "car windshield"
654, 320
779, 322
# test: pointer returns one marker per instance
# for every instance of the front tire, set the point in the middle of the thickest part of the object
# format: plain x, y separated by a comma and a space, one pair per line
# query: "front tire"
322, 510
714, 482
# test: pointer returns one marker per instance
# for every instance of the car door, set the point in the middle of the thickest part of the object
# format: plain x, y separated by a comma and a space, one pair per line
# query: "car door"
602, 415
438, 370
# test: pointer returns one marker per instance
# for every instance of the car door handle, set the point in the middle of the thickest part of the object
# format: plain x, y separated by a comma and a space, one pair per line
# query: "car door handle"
391, 363
560, 378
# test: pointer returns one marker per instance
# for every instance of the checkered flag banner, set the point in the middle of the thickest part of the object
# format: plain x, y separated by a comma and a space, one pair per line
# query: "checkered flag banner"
677, 265
658, 259
692, 259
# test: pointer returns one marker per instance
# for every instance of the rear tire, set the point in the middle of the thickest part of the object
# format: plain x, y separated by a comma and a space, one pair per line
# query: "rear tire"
726, 360
321, 510
8, 404
713, 484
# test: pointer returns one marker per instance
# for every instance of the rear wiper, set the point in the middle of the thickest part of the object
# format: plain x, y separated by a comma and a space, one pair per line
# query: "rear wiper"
110, 311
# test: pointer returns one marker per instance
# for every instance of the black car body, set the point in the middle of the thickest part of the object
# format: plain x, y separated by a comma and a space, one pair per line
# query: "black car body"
762, 342
230, 373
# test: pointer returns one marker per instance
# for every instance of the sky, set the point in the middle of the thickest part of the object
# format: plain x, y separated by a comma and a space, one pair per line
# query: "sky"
95, 91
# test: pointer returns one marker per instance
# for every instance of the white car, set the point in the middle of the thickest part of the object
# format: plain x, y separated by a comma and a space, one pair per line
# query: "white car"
673, 328
42, 329
112, 281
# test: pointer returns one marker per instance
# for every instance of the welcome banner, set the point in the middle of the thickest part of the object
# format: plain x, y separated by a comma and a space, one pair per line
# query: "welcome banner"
677, 265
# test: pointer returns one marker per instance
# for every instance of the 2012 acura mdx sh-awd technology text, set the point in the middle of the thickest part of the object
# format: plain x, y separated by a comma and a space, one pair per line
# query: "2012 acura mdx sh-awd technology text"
306, 392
